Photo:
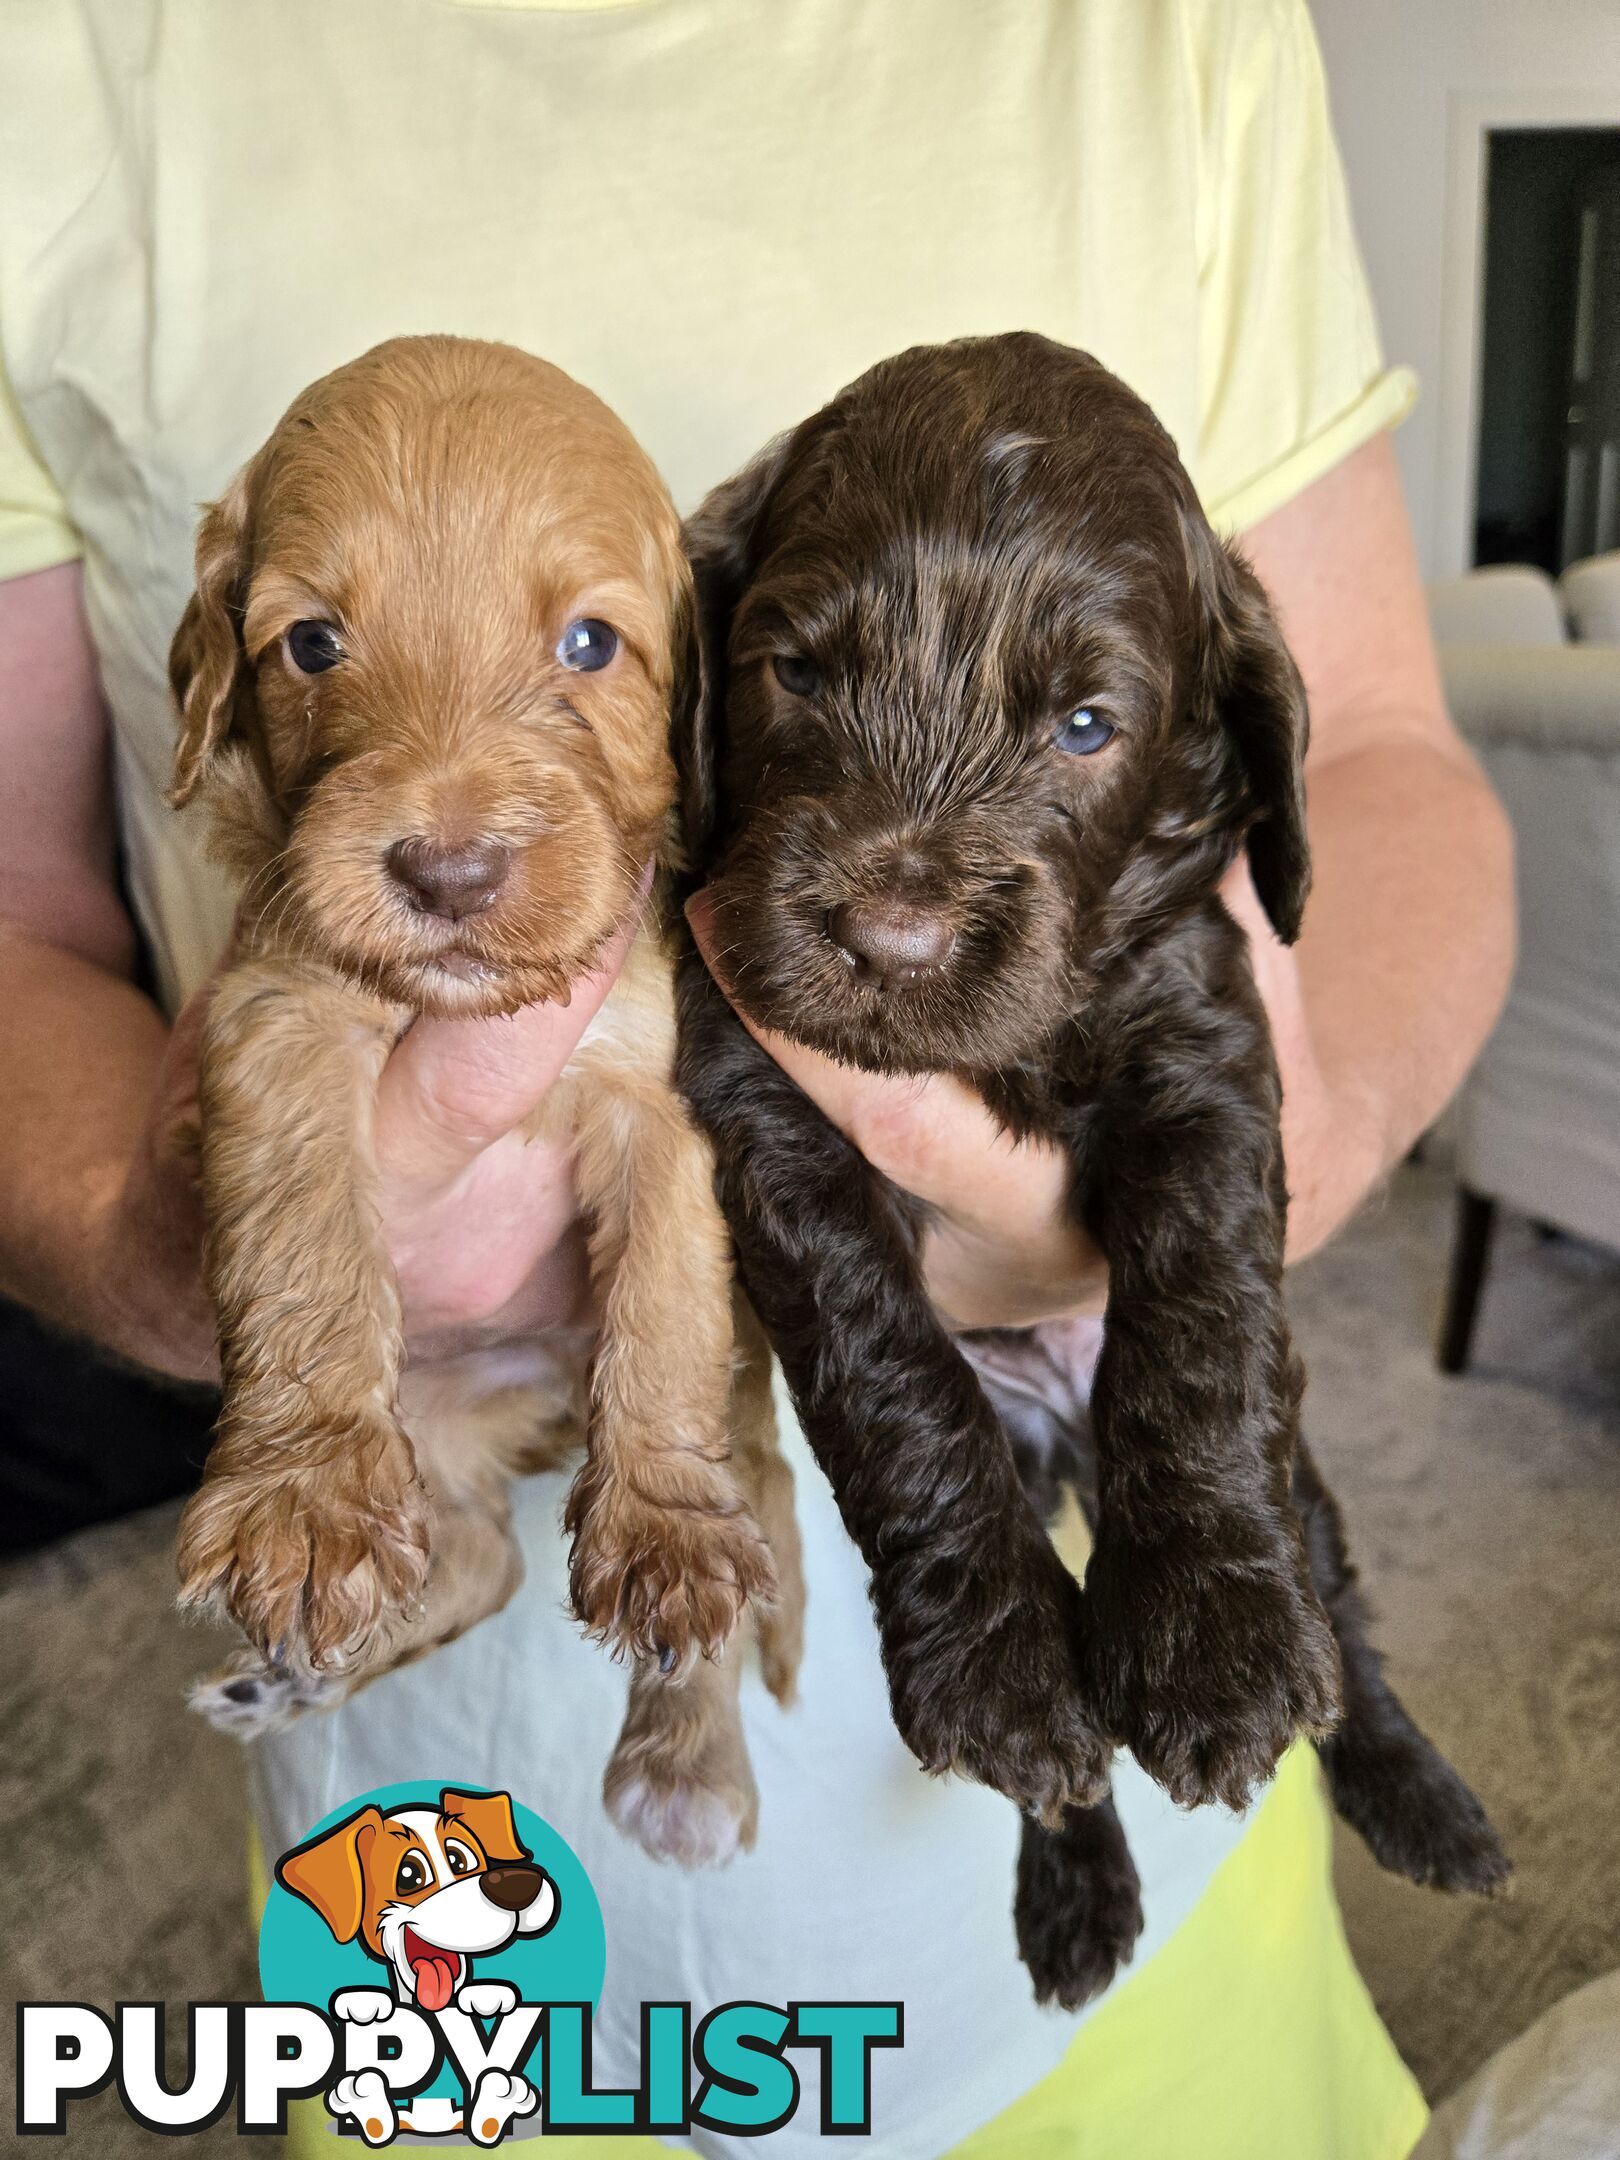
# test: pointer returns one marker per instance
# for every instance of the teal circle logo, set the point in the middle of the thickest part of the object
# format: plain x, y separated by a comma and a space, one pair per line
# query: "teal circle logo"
302, 1959
497, 1893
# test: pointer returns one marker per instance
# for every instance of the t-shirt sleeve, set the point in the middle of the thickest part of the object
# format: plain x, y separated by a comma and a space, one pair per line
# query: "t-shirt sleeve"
35, 530
1291, 369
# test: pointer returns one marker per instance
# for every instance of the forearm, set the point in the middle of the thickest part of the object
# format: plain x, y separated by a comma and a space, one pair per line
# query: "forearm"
80, 1053
1405, 955
80, 1048
1408, 938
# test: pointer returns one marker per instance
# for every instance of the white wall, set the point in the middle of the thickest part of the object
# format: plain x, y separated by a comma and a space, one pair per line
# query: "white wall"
1412, 83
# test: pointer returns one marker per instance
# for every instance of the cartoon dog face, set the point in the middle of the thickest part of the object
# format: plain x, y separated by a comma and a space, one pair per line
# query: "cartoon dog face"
425, 1889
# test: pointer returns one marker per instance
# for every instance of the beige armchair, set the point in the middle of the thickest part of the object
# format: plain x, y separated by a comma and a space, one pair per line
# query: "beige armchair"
1590, 593
1538, 1121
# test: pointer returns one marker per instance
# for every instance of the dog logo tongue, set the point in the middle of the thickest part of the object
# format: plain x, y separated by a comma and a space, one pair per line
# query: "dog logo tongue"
435, 1971
435, 1982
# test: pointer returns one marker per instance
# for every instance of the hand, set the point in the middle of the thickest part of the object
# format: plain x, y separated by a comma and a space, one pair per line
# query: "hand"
1333, 1137
1001, 1251
482, 1225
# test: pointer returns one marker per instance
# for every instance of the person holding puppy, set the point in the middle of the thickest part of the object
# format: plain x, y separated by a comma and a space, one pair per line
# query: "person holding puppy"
714, 213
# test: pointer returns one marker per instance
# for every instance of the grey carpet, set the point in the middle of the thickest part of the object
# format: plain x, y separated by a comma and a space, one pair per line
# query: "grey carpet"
1485, 1511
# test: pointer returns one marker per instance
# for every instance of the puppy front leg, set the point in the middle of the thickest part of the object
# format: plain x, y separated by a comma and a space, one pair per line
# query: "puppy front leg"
476, 1567
1210, 1651
979, 1620
1388, 1779
665, 1553
1077, 1905
310, 1524
767, 1486
679, 1781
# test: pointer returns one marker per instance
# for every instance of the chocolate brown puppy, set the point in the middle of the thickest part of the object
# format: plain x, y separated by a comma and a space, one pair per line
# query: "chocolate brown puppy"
989, 713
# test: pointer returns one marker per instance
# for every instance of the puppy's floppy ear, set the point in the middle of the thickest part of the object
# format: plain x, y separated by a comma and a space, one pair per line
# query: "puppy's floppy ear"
207, 666
1255, 690
719, 538
490, 1819
689, 743
329, 1872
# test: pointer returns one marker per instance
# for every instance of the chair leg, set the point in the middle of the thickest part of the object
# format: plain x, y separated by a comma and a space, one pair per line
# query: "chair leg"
1471, 1249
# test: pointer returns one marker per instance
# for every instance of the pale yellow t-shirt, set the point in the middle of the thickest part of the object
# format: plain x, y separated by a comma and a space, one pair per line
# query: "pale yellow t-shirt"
715, 212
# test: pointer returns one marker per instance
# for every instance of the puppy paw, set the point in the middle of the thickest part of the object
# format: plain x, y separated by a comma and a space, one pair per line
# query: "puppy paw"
1417, 1816
1207, 1671
1078, 1906
362, 2005
247, 1697
982, 1650
487, 1998
695, 1804
500, 2098
310, 1562
364, 2101
665, 1579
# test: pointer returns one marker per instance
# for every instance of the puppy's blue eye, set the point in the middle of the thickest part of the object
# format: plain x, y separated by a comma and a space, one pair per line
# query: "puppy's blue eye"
313, 647
1083, 732
587, 645
797, 675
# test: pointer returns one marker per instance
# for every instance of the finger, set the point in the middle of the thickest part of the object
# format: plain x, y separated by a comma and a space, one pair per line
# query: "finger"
1331, 1139
177, 1080
1242, 903
454, 1087
1277, 978
1002, 1249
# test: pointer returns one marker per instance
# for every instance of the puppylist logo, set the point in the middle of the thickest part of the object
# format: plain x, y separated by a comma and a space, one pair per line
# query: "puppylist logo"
431, 1959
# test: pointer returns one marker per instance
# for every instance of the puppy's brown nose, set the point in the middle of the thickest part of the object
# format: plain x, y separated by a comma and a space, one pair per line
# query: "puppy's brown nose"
513, 1889
893, 943
450, 881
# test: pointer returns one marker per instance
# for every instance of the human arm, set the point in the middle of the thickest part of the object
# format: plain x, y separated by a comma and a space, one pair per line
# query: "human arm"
1404, 960
81, 1050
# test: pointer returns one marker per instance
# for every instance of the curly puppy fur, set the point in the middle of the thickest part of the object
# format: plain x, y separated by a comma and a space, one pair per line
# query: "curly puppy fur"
439, 818
1077, 1907
901, 605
